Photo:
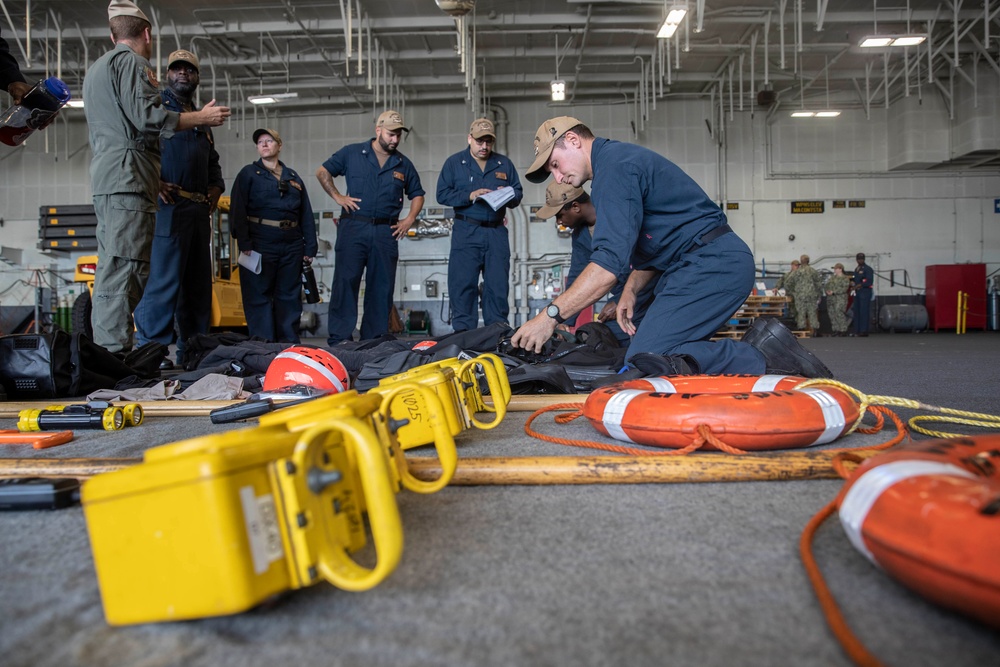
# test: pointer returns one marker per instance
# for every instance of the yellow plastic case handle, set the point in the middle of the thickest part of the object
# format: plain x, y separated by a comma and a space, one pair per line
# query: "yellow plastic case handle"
444, 443
467, 373
333, 562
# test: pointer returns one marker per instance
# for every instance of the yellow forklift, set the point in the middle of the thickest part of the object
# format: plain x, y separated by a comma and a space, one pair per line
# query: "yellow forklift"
227, 301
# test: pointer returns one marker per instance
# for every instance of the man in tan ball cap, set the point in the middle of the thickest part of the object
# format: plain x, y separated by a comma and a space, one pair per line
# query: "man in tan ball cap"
656, 224
126, 120
479, 241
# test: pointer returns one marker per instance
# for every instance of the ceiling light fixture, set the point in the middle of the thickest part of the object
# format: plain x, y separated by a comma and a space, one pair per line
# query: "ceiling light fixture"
75, 103
879, 41
558, 90
674, 18
272, 98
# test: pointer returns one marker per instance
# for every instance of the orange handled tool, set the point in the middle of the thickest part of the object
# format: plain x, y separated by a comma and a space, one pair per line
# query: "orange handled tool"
37, 439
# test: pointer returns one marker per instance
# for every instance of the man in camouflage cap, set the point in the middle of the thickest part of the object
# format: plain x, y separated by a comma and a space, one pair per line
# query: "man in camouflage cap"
479, 240
126, 121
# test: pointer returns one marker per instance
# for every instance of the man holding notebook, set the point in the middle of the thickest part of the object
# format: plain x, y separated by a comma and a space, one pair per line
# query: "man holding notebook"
480, 185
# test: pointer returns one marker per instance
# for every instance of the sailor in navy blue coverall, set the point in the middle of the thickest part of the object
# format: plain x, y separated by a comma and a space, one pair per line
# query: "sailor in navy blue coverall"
655, 218
862, 282
479, 241
378, 176
270, 213
180, 264
573, 209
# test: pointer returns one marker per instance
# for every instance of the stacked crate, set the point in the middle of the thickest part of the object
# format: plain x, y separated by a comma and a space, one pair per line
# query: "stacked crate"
755, 306
67, 227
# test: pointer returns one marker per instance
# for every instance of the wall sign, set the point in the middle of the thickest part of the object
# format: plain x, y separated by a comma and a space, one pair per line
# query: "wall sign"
856, 203
808, 206
839, 203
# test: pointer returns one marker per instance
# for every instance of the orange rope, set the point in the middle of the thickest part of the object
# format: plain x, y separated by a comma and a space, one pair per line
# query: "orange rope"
855, 650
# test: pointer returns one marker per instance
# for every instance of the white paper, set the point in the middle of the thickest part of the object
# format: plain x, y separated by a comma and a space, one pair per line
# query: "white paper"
497, 198
250, 262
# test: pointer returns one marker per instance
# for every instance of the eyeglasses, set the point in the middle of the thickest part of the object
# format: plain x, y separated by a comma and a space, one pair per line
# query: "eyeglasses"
485, 141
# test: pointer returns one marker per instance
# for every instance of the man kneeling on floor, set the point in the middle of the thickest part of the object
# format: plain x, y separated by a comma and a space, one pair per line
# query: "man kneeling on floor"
655, 218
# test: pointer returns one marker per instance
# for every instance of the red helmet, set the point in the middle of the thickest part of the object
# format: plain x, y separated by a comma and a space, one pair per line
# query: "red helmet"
308, 366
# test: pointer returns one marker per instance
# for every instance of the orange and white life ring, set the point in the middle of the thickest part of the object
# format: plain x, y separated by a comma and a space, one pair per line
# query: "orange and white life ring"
714, 384
929, 515
750, 421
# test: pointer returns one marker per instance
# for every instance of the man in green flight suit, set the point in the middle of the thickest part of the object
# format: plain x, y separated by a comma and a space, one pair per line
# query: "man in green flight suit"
806, 286
126, 120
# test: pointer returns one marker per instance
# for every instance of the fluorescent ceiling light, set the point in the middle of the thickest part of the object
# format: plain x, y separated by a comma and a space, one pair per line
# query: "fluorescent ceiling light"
667, 30
271, 99
909, 40
877, 41
558, 90
676, 15
826, 113
75, 103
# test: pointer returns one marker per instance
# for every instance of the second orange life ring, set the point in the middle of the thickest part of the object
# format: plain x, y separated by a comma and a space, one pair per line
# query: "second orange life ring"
929, 515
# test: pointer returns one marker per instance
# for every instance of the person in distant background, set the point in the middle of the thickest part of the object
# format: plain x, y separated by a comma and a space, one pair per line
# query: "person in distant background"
783, 284
270, 213
479, 240
180, 264
11, 79
378, 176
837, 287
861, 283
806, 287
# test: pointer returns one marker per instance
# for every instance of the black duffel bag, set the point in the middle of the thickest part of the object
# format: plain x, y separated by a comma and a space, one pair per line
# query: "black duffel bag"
61, 365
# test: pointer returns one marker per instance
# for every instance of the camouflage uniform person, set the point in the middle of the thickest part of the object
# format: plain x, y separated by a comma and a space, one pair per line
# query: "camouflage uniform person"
806, 287
836, 299
126, 121
783, 284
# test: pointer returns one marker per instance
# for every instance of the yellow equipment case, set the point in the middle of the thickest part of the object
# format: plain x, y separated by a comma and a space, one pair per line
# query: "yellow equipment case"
218, 524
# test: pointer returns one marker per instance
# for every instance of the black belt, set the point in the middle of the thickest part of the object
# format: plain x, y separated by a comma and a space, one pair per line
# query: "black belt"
708, 237
282, 224
481, 223
374, 221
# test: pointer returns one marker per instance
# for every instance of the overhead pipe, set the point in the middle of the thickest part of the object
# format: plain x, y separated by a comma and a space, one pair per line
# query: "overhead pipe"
583, 46
781, 22
361, 67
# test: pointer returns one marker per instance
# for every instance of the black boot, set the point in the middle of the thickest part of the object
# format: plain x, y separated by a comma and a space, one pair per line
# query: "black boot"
662, 364
783, 354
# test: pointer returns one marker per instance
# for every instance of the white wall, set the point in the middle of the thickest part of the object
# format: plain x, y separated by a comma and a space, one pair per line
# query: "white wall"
909, 220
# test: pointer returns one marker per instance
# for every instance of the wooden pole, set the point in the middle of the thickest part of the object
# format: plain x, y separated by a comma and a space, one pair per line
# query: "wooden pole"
545, 470
202, 408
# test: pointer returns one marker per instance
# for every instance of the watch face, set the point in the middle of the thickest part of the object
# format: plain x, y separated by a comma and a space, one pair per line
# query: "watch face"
552, 311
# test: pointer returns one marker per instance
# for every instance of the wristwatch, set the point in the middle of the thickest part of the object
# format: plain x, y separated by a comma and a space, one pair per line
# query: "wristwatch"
553, 312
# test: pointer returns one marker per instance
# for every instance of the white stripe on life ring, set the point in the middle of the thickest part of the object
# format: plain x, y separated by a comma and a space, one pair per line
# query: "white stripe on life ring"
662, 385
867, 489
833, 415
316, 366
614, 411
767, 382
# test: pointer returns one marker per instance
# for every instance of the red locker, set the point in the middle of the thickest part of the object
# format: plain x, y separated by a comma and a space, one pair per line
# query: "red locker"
944, 281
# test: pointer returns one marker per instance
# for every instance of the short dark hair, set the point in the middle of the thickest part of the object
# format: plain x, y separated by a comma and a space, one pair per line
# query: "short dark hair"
860, 256
128, 27
582, 130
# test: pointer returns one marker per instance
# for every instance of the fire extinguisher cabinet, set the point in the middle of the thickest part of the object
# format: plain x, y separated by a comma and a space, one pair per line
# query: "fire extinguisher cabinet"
944, 282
